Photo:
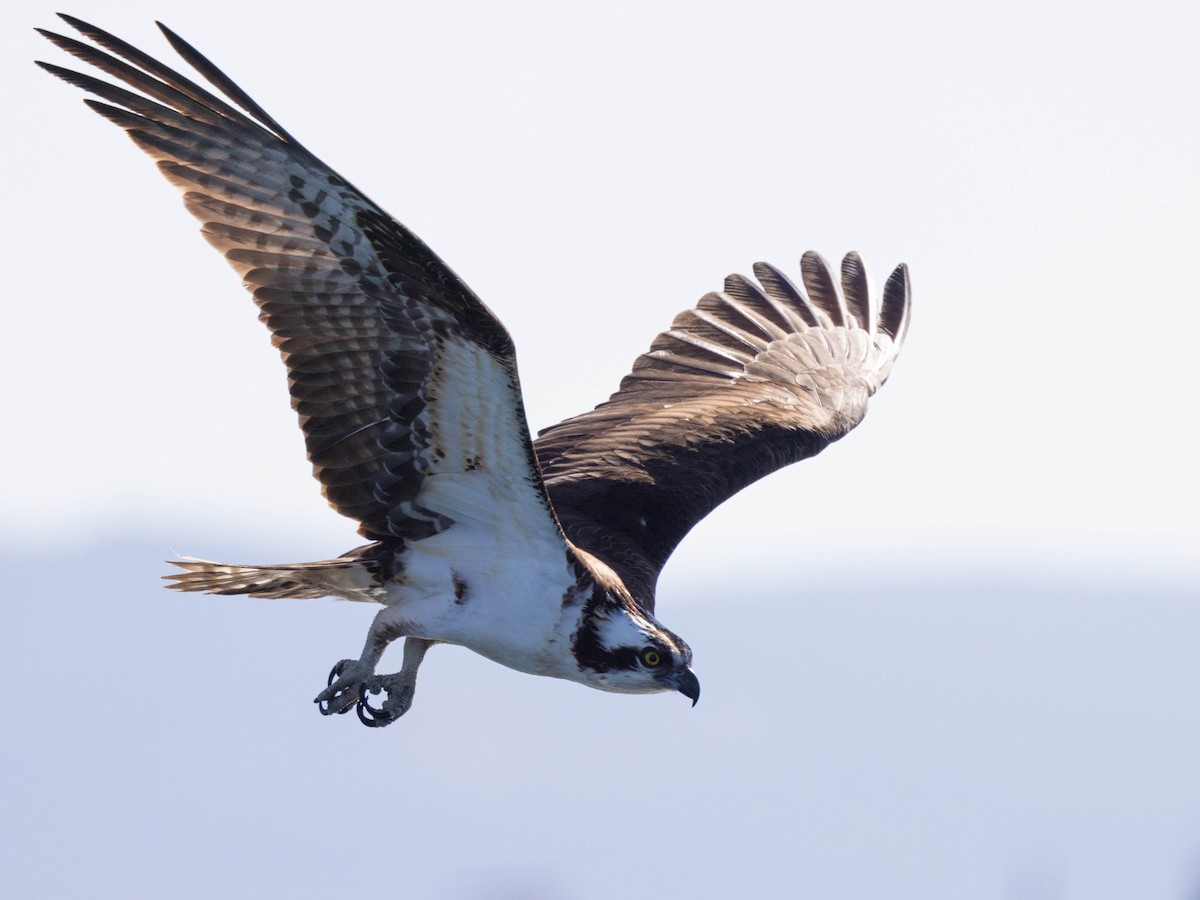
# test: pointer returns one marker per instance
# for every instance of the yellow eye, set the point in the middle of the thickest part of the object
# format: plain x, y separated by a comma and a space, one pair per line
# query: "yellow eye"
651, 659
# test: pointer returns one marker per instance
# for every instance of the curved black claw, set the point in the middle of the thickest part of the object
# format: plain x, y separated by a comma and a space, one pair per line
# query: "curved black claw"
323, 705
369, 715
338, 668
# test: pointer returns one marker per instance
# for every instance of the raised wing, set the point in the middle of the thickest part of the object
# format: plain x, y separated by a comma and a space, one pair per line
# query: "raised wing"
757, 376
382, 341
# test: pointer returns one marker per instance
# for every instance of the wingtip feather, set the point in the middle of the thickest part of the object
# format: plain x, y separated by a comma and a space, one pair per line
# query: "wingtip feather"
76, 23
856, 289
822, 289
897, 304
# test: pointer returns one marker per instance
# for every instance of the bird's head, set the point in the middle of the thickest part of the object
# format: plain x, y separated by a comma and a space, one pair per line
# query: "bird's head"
619, 648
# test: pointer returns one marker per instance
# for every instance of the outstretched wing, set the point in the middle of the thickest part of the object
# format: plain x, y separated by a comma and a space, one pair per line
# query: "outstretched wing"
757, 376
396, 369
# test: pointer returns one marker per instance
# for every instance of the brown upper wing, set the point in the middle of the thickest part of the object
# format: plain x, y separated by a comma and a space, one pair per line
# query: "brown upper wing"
757, 376
357, 305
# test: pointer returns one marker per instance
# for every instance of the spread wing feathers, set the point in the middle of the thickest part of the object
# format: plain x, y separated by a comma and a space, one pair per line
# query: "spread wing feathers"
361, 310
757, 376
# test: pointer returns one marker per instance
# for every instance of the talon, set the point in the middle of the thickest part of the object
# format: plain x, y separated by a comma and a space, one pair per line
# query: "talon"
364, 690
332, 700
326, 707
338, 668
368, 714
351, 683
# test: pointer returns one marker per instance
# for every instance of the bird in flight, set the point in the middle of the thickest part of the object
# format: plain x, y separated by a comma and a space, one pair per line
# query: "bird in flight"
542, 555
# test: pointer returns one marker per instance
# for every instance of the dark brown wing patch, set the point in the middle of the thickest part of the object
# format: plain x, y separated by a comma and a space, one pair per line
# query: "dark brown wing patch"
754, 378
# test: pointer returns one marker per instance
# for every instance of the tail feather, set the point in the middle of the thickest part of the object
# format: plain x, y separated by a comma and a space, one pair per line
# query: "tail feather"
347, 578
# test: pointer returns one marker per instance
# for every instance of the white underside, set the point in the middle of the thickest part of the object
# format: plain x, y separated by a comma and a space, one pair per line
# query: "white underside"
504, 554
511, 609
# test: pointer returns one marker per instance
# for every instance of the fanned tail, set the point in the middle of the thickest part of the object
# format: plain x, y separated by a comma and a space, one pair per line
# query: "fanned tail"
348, 578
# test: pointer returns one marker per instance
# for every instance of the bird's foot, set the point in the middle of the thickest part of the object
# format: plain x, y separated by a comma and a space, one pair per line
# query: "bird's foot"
400, 689
344, 687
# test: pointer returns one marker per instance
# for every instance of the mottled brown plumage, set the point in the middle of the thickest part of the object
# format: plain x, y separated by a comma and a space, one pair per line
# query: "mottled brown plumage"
357, 305
755, 377
543, 555
752, 379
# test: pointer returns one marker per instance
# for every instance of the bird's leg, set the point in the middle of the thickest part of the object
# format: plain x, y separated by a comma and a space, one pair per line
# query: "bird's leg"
400, 687
348, 676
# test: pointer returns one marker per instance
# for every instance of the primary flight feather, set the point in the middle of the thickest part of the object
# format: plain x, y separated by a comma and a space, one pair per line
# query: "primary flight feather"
541, 555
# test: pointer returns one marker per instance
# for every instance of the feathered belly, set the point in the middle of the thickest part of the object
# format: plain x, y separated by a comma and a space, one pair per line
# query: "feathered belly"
503, 596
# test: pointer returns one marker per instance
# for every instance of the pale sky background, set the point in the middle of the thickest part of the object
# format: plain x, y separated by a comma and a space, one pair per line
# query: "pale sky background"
957, 655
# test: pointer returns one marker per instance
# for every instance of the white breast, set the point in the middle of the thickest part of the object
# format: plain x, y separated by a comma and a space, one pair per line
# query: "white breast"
495, 579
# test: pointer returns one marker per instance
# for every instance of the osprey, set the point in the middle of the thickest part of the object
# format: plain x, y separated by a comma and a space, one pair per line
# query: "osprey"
541, 555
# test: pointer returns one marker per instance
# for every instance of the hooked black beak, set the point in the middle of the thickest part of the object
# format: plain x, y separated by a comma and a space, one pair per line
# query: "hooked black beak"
686, 682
